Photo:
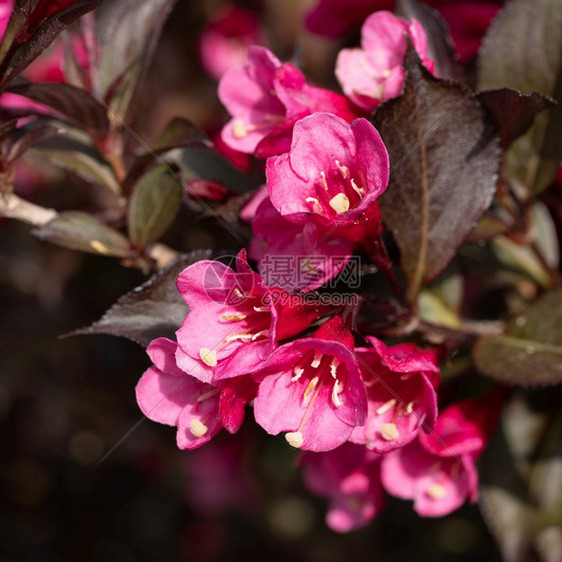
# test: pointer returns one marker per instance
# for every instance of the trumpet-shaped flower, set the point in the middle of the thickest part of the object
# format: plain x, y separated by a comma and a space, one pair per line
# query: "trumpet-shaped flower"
350, 477
295, 256
332, 175
266, 98
311, 390
437, 470
374, 72
400, 383
234, 322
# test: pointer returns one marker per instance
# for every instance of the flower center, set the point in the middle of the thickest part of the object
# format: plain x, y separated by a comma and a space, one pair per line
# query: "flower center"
335, 192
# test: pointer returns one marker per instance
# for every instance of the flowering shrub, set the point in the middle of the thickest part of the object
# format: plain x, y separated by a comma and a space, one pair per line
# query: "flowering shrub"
388, 294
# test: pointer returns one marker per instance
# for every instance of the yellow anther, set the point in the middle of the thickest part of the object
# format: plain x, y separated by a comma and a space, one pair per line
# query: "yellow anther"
233, 317
310, 388
386, 406
316, 207
338, 387
316, 360
436, 491
389, 431
340, 203
239, 129
208, 356
197, 428
294, 438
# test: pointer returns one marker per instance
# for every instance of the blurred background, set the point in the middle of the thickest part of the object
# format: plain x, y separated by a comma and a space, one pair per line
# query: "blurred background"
82, 476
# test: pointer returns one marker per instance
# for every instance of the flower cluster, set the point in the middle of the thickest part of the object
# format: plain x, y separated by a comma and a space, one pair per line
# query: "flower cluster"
366, 415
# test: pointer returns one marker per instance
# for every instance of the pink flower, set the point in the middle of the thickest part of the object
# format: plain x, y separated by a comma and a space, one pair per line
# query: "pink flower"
350, 477
294, 256
437, 470
266, 98
311, 388
332, 175
374, 72
6, 8
225, 40
467, 20
401, 395
233, 324
168, 395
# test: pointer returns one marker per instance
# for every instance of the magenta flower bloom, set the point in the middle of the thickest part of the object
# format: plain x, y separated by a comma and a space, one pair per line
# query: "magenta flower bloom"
332, 175
233, 323
295, 256
225, 40
350, 477
266, 98
374, 72
312, 390
437, 471
401, 382
467, 20
168, 395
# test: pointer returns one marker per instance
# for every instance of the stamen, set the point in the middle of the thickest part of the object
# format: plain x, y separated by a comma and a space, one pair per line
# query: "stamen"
323, 180
209, 394
371, 382
262, 333
386, 406
378, 92
239, 129
386, 73
338, 387
310, 388
359, 190
238, 293
294, 438
316, 360
243, 337
333, 367
436, 491
208, 356
315, 204
410, 408
344, 170
233, 317
340, 203
197, 428
298, 373
389, 431
261, 308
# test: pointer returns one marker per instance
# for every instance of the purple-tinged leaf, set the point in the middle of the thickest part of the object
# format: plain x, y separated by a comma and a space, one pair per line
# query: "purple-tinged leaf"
513, 112
75, 104
440, 46
178, 133
523, 50
154, 204
21, 46
155, 309
529, 354
128, 31
30, 137
445, 157
521, 481
80, 231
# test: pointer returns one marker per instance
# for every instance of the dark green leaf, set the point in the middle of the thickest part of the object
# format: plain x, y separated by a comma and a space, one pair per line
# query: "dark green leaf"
523, 50
530, 352
513, 112
521, 480
445, 158
155, 309
127, 33
440, 47
154, 204
80, 231
75, 104
203, 162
